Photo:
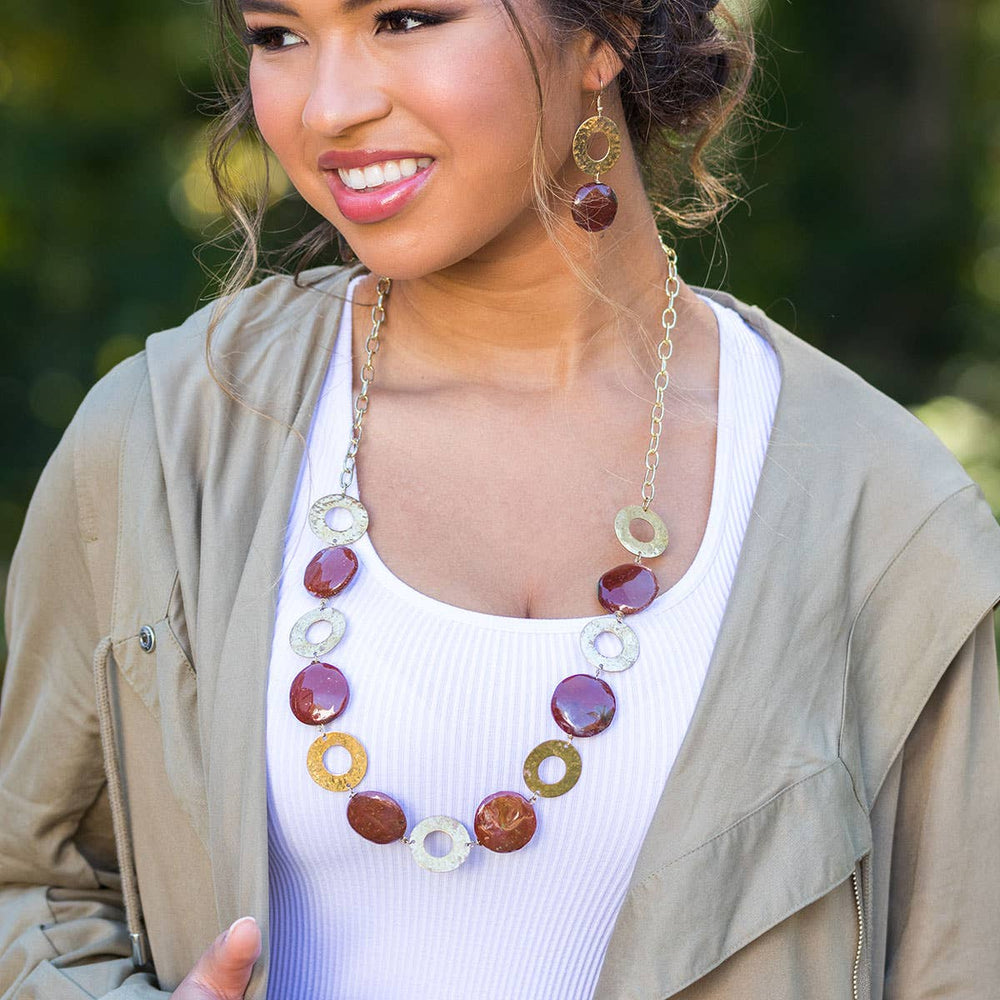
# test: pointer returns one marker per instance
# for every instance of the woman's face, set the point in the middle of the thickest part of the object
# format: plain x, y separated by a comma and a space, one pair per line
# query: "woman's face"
410, 125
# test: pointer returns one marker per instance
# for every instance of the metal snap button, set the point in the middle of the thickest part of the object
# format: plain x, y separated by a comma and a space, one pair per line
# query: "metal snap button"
147, 639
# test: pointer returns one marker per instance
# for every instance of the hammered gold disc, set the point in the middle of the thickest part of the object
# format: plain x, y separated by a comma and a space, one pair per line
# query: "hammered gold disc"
598, 125
567, 753
623, 529
334, 536
337, 782
314, 650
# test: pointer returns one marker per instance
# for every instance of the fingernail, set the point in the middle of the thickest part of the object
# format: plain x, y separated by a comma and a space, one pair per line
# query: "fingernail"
236, 923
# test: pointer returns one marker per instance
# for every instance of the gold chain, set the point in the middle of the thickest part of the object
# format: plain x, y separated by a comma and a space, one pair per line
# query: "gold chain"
367, 377
664, 351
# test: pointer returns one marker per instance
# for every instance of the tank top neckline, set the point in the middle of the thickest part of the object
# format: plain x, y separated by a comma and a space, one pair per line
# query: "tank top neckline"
341, 401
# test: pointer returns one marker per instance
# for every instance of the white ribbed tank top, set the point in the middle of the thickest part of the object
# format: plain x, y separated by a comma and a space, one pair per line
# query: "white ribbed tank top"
448, 702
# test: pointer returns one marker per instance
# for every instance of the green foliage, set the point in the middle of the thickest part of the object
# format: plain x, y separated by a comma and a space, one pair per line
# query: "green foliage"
871, 224
97, 105
872, 219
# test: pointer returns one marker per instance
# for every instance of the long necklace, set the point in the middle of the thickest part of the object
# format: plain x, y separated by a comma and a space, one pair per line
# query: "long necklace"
583, 705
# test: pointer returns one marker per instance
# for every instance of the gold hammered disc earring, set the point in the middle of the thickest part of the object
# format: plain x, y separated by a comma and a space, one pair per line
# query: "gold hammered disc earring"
595, 204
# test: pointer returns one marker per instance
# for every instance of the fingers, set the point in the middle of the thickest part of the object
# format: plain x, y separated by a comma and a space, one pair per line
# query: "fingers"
223, 971
240, 947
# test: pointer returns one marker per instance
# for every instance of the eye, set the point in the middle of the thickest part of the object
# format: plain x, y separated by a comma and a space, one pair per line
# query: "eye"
401, 22
270, 39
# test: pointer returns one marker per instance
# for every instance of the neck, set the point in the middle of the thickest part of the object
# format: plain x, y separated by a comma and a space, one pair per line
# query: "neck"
518, 316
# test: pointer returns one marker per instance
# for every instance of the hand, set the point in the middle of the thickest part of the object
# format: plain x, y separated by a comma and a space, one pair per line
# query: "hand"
223, 971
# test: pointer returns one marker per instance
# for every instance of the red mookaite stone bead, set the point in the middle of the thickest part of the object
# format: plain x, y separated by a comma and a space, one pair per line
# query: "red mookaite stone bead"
627, 589
505, 822
583, 705
595, 207
318, 694
330, 571
377, 817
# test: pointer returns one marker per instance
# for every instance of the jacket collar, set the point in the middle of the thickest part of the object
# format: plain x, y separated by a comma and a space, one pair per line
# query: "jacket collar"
766, 806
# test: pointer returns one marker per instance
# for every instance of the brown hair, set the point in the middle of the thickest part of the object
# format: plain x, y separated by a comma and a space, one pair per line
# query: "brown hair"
686, 66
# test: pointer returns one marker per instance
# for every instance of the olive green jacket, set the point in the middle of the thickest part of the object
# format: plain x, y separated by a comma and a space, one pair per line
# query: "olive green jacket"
841, 772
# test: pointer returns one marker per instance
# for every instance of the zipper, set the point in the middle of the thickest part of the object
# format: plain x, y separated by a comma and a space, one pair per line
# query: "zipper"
861, 933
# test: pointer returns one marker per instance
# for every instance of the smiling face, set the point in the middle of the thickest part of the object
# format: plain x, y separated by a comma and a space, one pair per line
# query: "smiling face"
411, 128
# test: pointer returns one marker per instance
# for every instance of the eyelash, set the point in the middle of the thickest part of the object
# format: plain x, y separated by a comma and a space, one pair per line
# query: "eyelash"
270, 39
386, 17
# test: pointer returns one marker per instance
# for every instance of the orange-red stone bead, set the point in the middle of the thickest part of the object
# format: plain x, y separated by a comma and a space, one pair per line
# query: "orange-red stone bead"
330, 571
318, 694
583, 705
627, 589
595, 207
505, 822
376, 817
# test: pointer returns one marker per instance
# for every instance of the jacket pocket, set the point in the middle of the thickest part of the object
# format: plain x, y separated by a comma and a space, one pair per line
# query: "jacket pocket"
157, 667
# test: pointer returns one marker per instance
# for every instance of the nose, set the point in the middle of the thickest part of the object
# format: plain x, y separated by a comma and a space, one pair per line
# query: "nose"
345, 92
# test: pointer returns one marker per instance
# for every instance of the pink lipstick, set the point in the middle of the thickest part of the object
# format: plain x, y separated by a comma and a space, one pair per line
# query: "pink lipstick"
373, 185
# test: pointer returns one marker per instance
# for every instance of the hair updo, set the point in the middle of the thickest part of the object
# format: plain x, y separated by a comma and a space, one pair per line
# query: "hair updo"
686, 67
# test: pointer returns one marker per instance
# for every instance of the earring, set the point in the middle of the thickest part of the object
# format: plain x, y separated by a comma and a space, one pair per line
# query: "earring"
595, 204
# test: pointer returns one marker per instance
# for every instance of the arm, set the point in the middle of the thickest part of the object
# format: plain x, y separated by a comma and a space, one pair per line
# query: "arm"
62, 931
944, 882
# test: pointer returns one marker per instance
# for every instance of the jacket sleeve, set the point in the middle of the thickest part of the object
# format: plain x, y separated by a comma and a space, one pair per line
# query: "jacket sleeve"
62, 929
943, 925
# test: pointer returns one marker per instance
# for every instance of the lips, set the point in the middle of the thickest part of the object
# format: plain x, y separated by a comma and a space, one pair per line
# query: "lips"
373, 204
338, 159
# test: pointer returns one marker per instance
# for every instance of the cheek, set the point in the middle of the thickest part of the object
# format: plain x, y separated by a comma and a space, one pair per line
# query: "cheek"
277, 108
488, 111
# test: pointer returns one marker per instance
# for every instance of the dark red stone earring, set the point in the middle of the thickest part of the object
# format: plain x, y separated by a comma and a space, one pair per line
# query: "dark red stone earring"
595, 204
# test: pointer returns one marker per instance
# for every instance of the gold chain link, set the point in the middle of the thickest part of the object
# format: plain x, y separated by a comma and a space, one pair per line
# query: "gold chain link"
367, 377
665, 350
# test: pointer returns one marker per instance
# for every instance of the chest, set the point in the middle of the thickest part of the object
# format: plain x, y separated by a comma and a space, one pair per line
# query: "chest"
508, 508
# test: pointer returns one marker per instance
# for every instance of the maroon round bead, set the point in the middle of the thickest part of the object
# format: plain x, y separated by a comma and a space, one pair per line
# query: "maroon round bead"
505, 822
376, 817
318, 694
627, 589
330, 571
583, 705
595, 207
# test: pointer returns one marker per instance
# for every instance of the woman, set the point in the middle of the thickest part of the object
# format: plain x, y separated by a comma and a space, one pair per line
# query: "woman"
783, 779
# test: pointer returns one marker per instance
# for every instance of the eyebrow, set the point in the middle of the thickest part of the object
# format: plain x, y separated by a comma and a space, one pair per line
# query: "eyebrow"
284, 10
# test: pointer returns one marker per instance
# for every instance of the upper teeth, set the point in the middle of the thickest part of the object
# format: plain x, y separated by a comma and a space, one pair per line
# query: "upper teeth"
386, 172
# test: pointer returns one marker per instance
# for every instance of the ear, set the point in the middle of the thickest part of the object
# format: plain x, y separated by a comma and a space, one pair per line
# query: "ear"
599, 61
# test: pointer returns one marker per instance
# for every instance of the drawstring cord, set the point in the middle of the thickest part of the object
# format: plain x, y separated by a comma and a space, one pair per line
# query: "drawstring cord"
116, 798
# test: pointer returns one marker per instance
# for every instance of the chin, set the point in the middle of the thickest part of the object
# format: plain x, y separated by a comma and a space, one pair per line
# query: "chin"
406, 258
393, 267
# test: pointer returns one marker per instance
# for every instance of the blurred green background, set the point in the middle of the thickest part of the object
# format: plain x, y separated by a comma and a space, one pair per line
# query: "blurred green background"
871, 224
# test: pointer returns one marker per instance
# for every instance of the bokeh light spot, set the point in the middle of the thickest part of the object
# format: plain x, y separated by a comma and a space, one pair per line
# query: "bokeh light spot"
972, 435
192, 197
114, 350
